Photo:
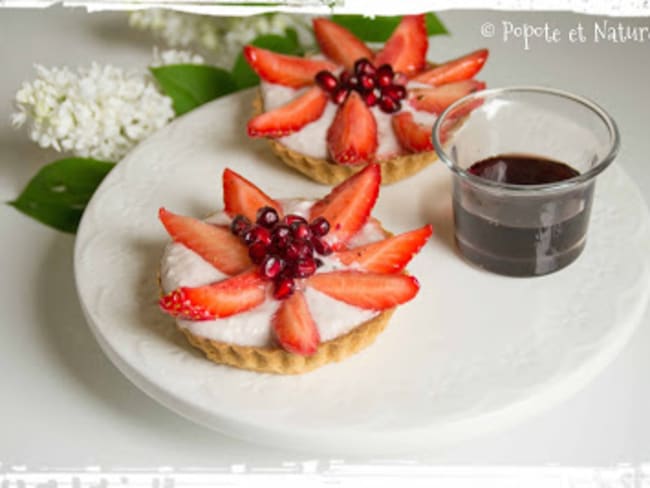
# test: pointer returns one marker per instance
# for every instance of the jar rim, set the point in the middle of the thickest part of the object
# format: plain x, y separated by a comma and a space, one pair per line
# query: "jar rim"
493, 93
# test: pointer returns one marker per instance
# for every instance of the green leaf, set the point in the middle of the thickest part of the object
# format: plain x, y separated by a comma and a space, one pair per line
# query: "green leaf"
58, 194
243, 74
379, 28
435, 27
191, 85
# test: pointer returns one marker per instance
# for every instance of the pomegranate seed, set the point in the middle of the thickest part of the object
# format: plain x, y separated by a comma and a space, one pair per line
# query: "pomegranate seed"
339, 95
371, 98
257, 251
363, 66
267, 217
321, 246
281, 236
240, 225
384, 75
366, 82
292, 251
319, 262
290, 219
389, 105
257, 234
396, 92
272, 266
300, 230
320, 226
283, 288
327, 81
305, 267
304, 248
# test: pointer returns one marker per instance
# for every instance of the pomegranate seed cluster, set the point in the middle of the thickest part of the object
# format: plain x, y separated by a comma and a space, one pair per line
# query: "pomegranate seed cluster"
377, 85
285, 249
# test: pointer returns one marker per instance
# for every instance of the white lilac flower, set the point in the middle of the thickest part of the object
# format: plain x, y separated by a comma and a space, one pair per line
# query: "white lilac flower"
223, 37
175, 56
99, 112
176, 28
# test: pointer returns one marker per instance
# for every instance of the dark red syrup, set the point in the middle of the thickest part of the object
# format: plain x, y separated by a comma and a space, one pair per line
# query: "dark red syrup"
522, 170
522, 235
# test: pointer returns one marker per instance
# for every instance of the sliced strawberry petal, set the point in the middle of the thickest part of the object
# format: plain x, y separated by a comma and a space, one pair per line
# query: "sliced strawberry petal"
437, 99
366, 290
352, 137
292, 71
217, 245
388, 256
406, 49
294, 326
217, 300
241, 197
412, 136
459, 69
291, 117
348, 206
339, 44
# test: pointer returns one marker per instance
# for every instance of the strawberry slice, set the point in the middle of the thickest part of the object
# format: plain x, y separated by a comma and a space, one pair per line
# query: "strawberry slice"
406, 49
459, 69
366, 290
217, 245
241, 197
412, 136
388, 256
292, 71
348, 206
221, 299
339, 44
352, 137
437, 99
290, 117
294, 326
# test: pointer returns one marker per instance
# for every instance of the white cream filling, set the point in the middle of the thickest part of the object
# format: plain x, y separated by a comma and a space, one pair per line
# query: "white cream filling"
312, 138
182, 267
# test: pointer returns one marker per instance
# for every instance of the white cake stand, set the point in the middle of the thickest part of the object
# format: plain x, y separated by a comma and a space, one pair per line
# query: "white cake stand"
473, 352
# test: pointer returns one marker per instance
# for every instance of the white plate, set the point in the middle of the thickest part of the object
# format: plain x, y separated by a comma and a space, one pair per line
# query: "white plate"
473, 352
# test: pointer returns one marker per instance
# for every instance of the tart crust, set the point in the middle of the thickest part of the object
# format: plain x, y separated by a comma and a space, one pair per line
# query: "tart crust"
277, 360
331, 173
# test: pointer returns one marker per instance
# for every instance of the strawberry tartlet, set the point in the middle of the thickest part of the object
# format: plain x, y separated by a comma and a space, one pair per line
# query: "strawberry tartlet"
331, 114
286, 286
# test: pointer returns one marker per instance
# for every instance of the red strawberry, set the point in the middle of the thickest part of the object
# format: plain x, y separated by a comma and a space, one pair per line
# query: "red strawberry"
217, 245
241, 197
339, 44
366, 290
352, 137
294, 326
348, 206
221, 299
290, 117
285, 70
412, 136
436, 100
459, 69
406, 49
390, 255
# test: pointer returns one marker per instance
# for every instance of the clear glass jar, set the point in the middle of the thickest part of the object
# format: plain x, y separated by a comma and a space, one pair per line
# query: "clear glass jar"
514, 229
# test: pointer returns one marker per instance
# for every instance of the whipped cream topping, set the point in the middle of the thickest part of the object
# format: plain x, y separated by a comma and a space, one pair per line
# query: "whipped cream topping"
181, 266
312, 138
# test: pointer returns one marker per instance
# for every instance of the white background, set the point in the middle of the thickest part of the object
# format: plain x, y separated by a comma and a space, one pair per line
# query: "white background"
65, 405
